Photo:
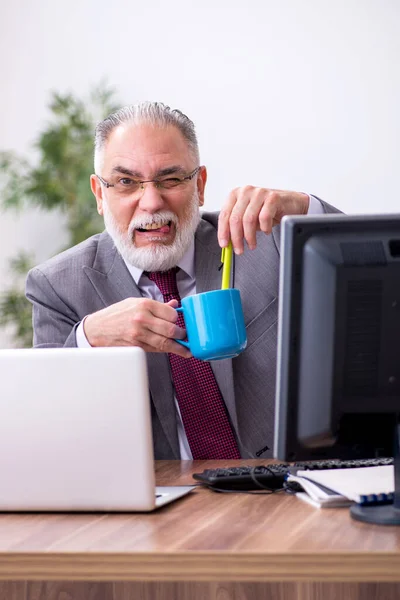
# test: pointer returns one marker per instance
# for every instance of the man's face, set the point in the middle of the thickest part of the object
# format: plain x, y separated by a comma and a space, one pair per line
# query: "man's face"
151, 228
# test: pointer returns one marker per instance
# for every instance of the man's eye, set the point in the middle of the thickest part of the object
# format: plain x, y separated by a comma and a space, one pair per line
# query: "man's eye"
170, 182
126, 181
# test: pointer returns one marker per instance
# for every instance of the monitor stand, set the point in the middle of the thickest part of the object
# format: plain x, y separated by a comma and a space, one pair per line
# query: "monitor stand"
387, 514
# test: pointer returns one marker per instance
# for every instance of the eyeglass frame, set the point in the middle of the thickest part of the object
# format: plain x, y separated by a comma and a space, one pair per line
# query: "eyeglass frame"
156, 182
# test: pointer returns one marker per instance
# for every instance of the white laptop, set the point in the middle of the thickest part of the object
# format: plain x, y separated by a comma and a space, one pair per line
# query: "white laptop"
75, 432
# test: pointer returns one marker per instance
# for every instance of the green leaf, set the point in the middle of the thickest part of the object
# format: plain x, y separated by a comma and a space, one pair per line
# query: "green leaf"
58, 179
16, 310
22, 263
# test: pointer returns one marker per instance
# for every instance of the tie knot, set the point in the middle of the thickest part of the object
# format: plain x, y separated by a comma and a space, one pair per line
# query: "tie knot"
166, 283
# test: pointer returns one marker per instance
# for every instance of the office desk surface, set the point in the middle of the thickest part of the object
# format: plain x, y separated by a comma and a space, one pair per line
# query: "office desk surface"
205, 536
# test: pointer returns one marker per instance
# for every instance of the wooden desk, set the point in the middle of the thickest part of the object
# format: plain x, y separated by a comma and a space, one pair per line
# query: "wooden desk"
205, 546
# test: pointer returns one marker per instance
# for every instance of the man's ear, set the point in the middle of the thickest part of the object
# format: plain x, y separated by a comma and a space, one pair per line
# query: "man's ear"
201, 184
98, 192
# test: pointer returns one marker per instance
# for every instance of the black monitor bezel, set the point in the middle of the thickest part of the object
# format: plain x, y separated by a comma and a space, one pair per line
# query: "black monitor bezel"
295, 231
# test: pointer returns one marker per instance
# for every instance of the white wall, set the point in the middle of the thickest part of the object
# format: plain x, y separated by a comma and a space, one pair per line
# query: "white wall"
301, 94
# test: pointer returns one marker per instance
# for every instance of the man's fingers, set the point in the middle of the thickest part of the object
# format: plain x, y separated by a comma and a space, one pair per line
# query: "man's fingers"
180, 350
223, 219
165, 311
144, 321
250, 227
154, 328
240, 217
236, 229
173, 303
268, 212
251, 217
151, 342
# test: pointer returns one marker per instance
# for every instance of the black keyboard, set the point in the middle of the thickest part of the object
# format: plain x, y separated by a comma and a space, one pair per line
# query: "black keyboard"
272, 477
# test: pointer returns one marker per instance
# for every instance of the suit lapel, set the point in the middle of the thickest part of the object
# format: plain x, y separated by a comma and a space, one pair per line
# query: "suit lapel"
113, 282
208, 277
109, 275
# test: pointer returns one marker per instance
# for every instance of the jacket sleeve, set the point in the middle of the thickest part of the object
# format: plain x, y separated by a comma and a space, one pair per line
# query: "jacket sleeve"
327, 208
276, 231
54, 323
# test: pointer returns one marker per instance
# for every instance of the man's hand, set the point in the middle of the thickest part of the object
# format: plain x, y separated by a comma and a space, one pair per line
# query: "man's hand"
250, 209
142, 322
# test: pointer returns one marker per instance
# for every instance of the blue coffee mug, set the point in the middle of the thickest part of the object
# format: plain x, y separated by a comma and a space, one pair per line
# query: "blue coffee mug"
214, 324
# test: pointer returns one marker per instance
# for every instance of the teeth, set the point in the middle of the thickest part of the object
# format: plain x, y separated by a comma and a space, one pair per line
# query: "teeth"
153, 226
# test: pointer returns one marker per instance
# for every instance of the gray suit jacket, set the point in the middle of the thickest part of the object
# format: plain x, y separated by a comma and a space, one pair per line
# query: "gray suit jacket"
92, 275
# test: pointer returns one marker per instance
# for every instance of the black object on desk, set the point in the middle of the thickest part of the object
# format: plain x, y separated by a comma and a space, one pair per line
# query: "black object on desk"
272, 477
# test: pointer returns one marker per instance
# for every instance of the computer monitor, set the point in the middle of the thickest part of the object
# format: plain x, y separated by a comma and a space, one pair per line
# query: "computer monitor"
338, 372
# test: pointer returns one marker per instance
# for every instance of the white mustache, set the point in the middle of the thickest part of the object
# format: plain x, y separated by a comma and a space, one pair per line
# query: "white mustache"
159, 218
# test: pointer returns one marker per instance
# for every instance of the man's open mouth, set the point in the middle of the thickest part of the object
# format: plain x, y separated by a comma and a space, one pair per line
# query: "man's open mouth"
156, 227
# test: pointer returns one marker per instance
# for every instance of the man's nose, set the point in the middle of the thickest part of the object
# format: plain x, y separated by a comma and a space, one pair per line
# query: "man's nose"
151, 200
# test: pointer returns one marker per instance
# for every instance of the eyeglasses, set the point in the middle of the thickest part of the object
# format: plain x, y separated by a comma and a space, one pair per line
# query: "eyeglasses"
125, 186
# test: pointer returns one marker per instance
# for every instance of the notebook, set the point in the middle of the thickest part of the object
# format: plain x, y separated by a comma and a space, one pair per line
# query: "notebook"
341, 487
75, 432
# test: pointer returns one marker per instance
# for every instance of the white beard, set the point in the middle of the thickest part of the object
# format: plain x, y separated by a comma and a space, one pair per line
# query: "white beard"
158, 256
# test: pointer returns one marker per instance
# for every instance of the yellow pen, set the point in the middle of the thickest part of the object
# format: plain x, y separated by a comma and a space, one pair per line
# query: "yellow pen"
226, 259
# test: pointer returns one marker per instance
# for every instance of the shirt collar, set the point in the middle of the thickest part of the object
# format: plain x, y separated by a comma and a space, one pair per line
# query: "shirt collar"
186, 264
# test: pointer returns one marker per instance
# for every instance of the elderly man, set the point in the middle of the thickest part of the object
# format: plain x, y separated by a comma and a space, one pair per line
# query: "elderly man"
120, 287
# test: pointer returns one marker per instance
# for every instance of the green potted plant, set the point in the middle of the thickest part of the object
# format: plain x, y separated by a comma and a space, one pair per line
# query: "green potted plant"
58, 180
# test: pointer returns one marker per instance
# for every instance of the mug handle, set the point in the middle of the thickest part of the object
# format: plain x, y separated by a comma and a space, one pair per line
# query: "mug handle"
186, 344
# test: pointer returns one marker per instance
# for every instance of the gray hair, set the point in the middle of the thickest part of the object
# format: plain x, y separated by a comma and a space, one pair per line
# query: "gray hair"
153, 113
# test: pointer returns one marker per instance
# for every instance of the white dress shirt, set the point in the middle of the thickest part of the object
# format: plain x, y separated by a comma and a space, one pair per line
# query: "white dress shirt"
186, 283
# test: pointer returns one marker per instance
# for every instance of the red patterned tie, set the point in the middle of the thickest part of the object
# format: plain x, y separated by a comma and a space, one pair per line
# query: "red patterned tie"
203, 411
